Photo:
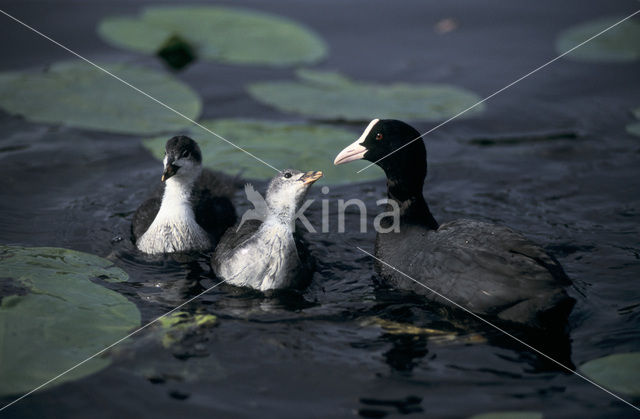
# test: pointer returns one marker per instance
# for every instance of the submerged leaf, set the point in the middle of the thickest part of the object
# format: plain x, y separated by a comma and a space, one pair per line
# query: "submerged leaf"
176, 52
281, 144
176, 325
396, 328
435, 335
77, 94
619, 44
617, 372
61, 320
331, 96
232, 35
509, 415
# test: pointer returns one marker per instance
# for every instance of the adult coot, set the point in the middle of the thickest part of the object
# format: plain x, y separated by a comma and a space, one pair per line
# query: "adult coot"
263, 253
191, 211
487, 268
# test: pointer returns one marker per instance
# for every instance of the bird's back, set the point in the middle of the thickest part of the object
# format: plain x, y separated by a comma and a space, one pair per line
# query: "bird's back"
486, 268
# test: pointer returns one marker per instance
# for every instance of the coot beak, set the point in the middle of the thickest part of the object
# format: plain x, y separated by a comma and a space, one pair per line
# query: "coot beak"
353, 152
356, 151
310, 177
169, 171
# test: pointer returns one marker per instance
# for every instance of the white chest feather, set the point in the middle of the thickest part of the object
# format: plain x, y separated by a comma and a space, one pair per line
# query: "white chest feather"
269, 260
175, 228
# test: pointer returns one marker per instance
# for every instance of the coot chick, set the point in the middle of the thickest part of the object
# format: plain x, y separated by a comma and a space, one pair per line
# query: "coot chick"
487, 268
191, 211
266, 254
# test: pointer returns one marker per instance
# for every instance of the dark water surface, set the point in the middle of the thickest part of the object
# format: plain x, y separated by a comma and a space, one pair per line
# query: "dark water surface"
549, 157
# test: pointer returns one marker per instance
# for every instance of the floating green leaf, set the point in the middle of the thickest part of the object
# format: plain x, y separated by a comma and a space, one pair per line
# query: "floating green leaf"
331, 96
619, 44
509, 415
60, 318
232, 35
77, 94
617, 372
283, 145
435, 335
634, 128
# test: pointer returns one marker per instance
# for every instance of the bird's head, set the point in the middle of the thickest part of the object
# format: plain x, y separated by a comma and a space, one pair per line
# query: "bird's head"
182, 160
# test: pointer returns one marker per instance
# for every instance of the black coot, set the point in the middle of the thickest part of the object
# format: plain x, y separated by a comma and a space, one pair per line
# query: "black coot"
487, 268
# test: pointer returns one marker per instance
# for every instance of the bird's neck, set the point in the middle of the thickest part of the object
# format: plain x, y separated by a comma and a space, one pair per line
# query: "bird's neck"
176, 199
282, 210
284, 216
407, 193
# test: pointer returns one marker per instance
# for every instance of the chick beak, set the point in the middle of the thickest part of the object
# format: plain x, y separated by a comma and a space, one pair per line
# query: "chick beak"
169, 171
310, 177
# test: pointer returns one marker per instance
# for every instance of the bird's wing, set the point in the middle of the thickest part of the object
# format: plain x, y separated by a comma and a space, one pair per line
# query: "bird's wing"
233, 238
144, 216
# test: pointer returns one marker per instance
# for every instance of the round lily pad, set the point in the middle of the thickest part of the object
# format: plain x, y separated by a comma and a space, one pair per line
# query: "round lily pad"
617, 372
77, 94
57, 317
232, 35
281, 144
331, 96
620, 44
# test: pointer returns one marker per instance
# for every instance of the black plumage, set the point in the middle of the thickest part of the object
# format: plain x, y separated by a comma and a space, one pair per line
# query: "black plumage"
489, 269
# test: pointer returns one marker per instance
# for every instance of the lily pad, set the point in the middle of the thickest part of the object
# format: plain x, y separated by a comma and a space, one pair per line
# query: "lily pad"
509, 415
620, 44
634, 128
281, 144
77, 94
61, 319
617, 372
331, 96
232, 35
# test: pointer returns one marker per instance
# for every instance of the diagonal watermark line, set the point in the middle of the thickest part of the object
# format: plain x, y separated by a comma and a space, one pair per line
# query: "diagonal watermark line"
137, 90
503, 89
499, 329
110, 346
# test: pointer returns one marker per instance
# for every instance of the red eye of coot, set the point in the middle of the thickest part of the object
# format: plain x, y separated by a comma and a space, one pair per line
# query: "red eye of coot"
379, 136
